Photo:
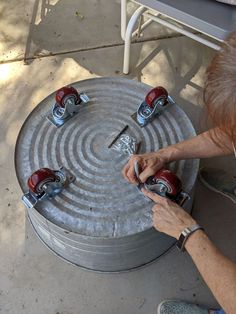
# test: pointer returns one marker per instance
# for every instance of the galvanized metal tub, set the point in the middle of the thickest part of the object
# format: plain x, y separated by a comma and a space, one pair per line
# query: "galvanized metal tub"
100, 222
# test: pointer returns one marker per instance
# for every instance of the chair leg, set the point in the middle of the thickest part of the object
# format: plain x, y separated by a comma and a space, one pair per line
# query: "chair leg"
123, 18
128, 37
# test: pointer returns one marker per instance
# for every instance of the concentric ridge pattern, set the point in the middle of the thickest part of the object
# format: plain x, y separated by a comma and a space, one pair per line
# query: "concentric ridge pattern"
100, 202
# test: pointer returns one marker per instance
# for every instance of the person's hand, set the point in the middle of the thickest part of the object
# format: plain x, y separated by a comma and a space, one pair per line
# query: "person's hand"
168, 217
148, 163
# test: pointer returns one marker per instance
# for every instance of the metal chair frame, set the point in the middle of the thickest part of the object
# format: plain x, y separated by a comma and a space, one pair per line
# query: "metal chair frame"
214, 36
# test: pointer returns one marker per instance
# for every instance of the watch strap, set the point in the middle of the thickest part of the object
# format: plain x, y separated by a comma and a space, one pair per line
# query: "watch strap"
185, 234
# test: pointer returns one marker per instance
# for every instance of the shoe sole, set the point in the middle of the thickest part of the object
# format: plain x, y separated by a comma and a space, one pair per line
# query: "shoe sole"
159, 306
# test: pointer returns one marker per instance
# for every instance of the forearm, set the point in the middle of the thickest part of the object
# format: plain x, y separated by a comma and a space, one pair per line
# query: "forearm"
201, 146
218, 271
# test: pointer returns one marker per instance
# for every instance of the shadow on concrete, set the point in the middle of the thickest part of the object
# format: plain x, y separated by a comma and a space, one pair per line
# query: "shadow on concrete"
61, 27
89, 33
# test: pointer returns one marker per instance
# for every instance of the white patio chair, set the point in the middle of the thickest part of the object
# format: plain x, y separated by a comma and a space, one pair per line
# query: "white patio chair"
209, 17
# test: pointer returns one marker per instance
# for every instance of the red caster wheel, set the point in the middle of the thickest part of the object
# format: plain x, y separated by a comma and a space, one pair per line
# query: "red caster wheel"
67, 93
39, 178
68, 103
46, 184
156, 95
164, 183
168, 182
155, 102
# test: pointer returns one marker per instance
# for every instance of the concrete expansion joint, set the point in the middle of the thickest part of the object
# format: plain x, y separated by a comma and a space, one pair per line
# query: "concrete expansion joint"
50, 54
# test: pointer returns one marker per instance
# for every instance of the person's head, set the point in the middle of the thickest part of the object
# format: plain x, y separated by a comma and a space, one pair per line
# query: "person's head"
220, 90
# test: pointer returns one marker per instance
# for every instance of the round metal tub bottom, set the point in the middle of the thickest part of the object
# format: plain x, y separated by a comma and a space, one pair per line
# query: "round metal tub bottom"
100, 222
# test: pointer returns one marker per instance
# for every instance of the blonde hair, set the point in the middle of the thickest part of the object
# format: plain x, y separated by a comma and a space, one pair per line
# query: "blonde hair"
220, 92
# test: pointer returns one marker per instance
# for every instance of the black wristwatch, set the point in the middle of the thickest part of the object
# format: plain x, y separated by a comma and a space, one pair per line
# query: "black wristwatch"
185, 235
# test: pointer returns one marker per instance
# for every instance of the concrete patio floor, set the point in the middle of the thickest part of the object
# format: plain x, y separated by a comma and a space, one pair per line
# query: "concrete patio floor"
61, 48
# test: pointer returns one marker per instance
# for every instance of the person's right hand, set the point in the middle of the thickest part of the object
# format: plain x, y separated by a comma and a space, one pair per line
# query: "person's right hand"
168, 217
149, 164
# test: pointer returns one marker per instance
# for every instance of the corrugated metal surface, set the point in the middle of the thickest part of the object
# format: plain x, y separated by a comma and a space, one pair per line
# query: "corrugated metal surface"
100, 222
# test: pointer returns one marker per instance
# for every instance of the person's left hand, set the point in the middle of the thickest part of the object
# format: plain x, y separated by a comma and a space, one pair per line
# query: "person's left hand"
168, 217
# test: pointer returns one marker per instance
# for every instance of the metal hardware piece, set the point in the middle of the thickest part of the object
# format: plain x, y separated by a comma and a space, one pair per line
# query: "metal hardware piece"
145, 114
140, 185
182, 198
85, 99
137, 171
155, 102
46, 184
68, 103
118, 135
126, 145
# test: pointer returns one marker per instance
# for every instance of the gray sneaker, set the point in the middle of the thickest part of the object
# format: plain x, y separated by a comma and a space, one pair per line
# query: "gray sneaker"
219, 181
179, 307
